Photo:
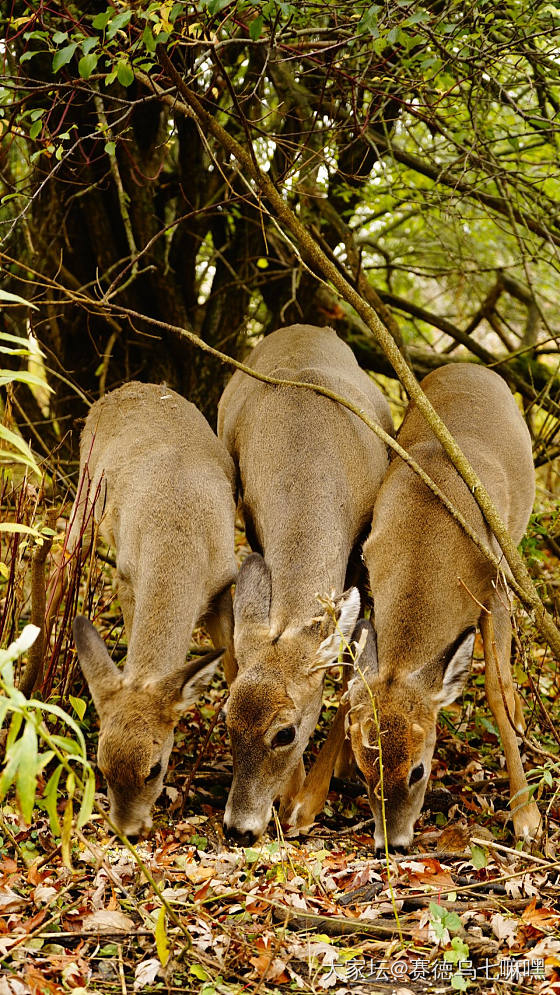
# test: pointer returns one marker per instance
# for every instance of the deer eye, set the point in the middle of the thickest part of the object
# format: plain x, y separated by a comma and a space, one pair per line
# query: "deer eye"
155, 772
416, 774
284, 737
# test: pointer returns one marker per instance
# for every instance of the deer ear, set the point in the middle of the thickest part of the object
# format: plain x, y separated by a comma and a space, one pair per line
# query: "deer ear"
365, 653
339, 627
103, 677
251, 602
457, 663
179, 690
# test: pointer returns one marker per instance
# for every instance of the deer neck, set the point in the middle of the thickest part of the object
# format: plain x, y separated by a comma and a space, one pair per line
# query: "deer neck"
169, 599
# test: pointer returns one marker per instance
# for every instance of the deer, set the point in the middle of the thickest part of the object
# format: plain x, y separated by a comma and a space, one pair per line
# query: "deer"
308, 473
431, 587
160, 488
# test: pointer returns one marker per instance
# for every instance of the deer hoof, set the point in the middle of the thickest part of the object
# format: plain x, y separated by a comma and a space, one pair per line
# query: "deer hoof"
527, 822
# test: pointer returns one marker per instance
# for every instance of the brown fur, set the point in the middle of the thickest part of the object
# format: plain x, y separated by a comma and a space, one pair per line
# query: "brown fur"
422, 567
165, 501
309, 472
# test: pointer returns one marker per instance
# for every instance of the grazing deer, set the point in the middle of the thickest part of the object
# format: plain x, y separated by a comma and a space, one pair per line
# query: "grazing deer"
431, 586
309, 472
160, 486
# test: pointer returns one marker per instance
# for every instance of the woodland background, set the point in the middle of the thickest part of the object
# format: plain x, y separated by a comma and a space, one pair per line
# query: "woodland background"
419, 146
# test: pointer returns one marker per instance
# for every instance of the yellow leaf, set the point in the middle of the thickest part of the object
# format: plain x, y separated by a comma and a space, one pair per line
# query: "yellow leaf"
66, 835
162, 943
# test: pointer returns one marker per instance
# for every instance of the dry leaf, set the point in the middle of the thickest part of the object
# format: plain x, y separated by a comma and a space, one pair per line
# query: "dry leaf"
108, 921
10, 901
146, 973
504, 929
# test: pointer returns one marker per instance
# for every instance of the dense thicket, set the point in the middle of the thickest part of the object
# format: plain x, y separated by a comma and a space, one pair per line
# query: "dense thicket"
419, 144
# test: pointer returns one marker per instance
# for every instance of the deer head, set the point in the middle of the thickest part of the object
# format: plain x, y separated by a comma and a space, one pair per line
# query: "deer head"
138, 718
393, 728
275, 700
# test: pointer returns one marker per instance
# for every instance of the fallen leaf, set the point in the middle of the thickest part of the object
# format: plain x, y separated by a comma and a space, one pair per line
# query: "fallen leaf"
12, 986
146, 973
541, 919
10, 901
108, 921
43, 894
270, 970
504, 929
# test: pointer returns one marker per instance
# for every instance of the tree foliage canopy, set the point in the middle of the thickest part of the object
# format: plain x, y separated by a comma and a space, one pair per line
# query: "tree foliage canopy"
418, 143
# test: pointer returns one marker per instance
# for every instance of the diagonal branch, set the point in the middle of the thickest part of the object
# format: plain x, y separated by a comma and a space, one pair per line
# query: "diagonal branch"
330, 272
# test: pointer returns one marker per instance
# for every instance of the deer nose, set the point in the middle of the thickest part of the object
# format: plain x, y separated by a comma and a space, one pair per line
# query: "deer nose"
241, 837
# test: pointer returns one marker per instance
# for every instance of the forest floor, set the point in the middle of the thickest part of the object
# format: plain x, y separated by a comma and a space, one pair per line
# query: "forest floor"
464, 910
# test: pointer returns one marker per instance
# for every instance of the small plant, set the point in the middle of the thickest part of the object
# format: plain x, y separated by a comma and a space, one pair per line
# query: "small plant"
25, 759
444, 922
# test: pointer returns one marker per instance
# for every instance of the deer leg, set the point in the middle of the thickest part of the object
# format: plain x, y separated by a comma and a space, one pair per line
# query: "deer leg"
310, 799
495, 626
345, 764
291, 791
219, 623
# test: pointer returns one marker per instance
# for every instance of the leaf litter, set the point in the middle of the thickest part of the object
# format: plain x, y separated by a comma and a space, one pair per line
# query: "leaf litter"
464, 910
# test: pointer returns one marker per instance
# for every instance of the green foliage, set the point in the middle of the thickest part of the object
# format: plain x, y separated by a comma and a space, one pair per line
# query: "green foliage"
19, 452
31, 747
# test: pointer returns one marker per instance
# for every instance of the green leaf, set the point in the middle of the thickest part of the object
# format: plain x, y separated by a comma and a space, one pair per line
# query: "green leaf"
215, 6
479, 857
49, 800
22, 339
10, 769
87, 64
369, 21
110, 148
16, 441
66, 835
251, 855
15, 299
16, 527
23, 377
100, 21
59, 37
63, 56
35, 129
124, 73
148, 39
27, 56
86, 808
162, 943
452, 921
200, 842
255, 28
118, 22
15, 726
89, 43
459, 982
26, 781
199, 972
79, 706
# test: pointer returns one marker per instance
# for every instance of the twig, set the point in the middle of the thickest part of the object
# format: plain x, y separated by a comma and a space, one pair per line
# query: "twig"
508, 849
